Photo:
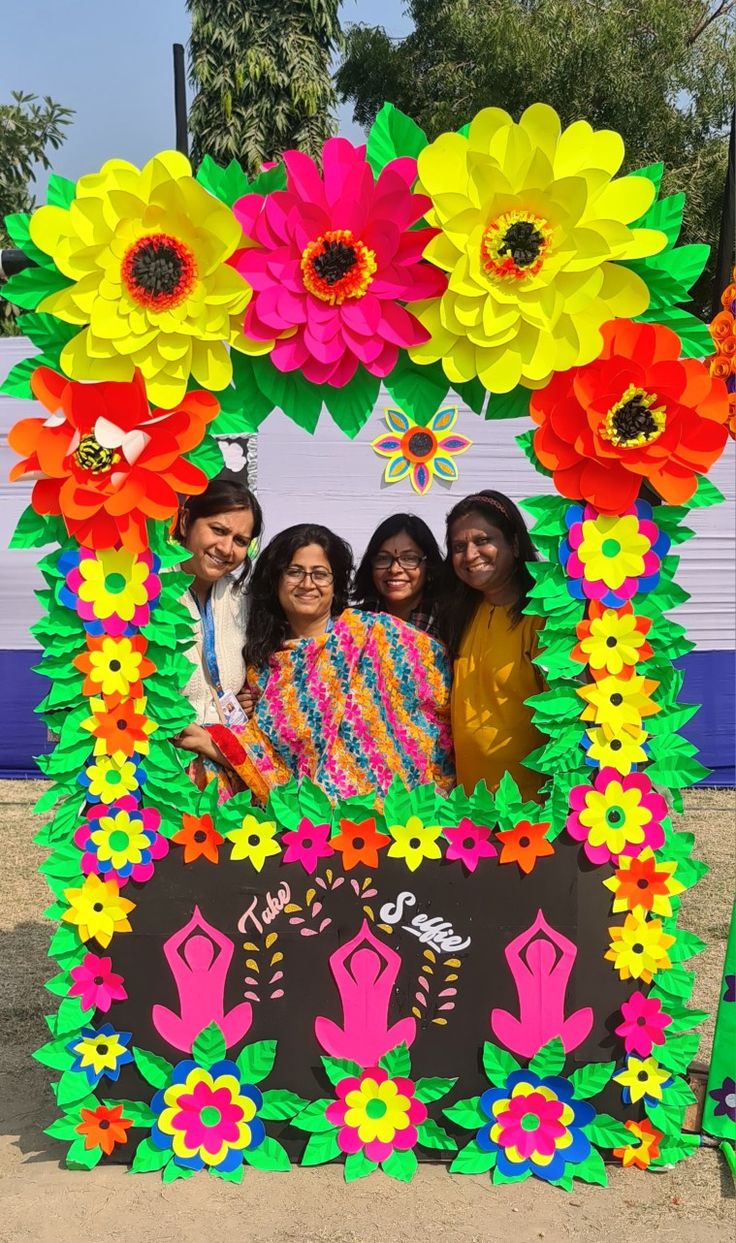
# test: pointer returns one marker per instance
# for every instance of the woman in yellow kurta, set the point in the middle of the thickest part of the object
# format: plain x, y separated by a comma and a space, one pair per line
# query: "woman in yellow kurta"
492, 642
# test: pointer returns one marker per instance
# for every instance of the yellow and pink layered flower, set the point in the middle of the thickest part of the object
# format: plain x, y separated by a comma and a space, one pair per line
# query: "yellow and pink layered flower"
112, 590
611, 557
616, 816
420, 451
207, 1117
536, 1125
331, 259
121, 841
377, 1115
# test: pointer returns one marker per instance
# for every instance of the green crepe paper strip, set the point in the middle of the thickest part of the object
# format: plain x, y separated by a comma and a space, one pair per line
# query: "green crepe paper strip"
393, 134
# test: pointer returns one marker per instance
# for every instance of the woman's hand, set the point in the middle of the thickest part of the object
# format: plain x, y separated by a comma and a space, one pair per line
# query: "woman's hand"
195, 738
247, 700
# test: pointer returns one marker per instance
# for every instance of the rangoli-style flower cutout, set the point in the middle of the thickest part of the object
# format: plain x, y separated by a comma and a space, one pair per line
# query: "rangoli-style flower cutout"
105, 461
199, 837
331, 259
112, 590
611, 642
100, 1052
207, 1117
616, 816
96, 984
104, 1127
638, 412
376, 1115
254, 840
644, 883
640, 1154
97, 910
114, 666
121, 728
638, 948
612, 557
421, 452
146, 252
534, 1125
121, 841
532, 225
643, 1024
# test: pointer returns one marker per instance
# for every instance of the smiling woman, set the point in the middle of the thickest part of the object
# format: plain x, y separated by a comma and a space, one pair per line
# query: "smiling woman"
399, 570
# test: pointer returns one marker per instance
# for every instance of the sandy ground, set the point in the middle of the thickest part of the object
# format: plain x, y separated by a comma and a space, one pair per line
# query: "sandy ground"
42, 1202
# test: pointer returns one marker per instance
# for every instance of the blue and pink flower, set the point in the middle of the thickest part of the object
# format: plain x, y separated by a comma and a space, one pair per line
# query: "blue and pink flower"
535, 1126
100, 1052
112, 590
611, 557
376, 1114
207, 1117
121, 841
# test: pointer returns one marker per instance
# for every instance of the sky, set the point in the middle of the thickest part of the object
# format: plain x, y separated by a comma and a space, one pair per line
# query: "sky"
111, 61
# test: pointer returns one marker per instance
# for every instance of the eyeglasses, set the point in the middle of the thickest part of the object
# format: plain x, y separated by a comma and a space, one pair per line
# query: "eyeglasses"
407, 560
320, 576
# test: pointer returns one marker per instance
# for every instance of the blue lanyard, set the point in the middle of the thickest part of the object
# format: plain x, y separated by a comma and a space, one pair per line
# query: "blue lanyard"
208, 640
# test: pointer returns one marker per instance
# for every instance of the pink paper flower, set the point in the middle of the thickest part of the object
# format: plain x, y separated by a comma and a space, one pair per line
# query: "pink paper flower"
96, 984
307, 845
616, 816
469, 843
376, 1115
331, 258
121, 841
643, 1024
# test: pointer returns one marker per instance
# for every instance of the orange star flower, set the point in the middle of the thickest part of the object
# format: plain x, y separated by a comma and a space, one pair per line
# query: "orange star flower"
104, 1127
644, 882
120, 727
114, 667
359, 843
642, 1154
199, 837
524, 844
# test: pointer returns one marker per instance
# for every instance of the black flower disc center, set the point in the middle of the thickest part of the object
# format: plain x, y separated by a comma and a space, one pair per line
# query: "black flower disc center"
335, 261
523, 241
634, 420
157, 267
94, 457
420, 444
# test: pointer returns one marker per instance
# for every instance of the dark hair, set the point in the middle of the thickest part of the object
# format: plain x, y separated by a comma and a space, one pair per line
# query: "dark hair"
221, 496
460, 602
364, 589
267, 624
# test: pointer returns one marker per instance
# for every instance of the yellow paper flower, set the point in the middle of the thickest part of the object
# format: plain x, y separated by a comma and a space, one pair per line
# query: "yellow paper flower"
644, 884
254, 840
612, 640
100, 1051
618, 749
115, 581
108, 779
613, 549
643, 1078
97, 910
146, 252
618, 704
414, 841
377, 1110
531, 226
638, 949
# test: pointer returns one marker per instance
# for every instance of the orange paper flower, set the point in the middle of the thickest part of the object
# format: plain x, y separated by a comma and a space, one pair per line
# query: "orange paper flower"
640, 1154
612, 641
199, 837
359, 843
119, 727
644, 883
524, 844
105, 461
114, 666
104, 1127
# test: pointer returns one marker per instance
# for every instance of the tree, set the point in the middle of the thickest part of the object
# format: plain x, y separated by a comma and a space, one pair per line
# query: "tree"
263, 78
661, 73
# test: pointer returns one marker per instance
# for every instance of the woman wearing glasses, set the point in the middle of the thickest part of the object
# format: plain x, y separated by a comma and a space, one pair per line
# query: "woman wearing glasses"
399, 571
344, 697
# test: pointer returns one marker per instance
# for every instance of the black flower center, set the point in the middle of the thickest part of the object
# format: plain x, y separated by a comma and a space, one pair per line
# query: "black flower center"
98, 906
122, 723
254, 840
642, 1076
637, 949
200, 836
468, 843
103, 1124
358, 843
616, 745
415, 843
306, 843
114, 665
94, 457
523, 241
158, 271
643, 883
101, 1049
420, 444
611, 641
617, 699
524, 842
634, 419
335, 261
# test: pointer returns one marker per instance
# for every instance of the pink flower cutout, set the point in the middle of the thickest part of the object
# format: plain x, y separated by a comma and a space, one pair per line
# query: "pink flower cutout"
469, 843
616, 816
96, 984
376, 1114
307, 845
120, 841
331, 258
199, 1133
643, 1024
543, 1127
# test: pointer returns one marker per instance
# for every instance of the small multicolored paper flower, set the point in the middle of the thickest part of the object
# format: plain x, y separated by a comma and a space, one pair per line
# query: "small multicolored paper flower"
525, 844
414, 841
199, 837
611, 641
207, 1117
642, 1079
621, 751
618, 704
643, 1024
100, 1052
638, 412
377, 1115
359, 843
114, 666
113, 590
121, 841
616, 815
104, 1127
644, 883
106, 780
96, 984
469, 843
105, 461
330, 260
638, 948
725, 1097
536, 1125
120, 729
307, 844
640, 1154
612, 557
254, 840
97, 910
145, 252
420, 451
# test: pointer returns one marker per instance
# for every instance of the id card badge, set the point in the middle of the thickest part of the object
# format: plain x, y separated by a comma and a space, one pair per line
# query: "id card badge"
231, 710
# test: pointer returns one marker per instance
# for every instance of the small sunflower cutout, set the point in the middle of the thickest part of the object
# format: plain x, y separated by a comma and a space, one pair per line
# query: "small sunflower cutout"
420, 452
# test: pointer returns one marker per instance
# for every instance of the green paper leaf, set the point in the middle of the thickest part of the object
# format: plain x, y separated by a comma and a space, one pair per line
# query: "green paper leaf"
706, 494
281, 1105
60, 191
590, 1080
473, 1160
676, 981
339, 1068
431, 1089
393, 134
313, 1117
321, 1148
417, 391
591, 1170
694, 335
432, 1135
687, 944
36, 530
207, 457
472, 393
498, 1064
47, 332
209, 1047
666, 215
677, 1052
400, 1165
268, 180
685, 263
55, 1055
269, 1155
607, 1132
550, 1060
227, 184
513, 405
71, 1089
526, 443
172, 1172
243, 406
17, 382
155, 1070
29, 287
256, 1061
652, 172
229, 1176
466, 1113
499, 1178
352, 405
78, 1157
64, 1128
139, 1112
676, 1148
397, 1062
299, 400
357, 1165
149, 1157
17, 227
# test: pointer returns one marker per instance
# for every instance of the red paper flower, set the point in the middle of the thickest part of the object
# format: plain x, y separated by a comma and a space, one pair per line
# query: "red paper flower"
199, 837
104, 1127
105, 461
644, 1146
331, 258
638, 412
524, 844
120, 727
359, 843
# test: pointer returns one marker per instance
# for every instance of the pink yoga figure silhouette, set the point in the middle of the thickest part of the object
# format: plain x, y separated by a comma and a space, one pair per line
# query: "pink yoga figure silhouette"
364, 971
199, 956
541, 961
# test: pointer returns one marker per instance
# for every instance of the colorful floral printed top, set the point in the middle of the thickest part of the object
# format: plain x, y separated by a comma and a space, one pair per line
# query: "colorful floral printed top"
368, 700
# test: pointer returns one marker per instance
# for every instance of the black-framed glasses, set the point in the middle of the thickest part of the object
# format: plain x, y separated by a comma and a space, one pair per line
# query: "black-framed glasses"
320, 575
407, 560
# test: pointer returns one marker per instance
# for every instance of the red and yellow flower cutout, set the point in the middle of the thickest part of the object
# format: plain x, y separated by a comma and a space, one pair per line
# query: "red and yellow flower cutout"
612, 641
421, 453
